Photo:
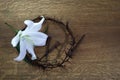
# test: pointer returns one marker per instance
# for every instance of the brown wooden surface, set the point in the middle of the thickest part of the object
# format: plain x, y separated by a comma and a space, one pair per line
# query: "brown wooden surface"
97, 58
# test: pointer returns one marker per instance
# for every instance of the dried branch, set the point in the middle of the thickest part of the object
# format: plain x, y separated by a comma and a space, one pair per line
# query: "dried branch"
68, 53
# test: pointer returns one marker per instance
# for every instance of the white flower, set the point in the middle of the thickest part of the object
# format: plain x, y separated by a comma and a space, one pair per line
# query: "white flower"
29, 38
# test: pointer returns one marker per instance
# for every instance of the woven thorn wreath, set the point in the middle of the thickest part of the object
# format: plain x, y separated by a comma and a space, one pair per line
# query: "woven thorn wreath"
58, 42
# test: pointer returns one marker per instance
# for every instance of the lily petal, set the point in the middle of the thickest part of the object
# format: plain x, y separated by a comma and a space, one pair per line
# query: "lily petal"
28, 22
22, 53
38, 38
16, 39
42, 20
31, 26
30, 49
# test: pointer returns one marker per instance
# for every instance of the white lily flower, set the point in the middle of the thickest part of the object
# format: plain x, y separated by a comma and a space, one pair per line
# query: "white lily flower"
29, 38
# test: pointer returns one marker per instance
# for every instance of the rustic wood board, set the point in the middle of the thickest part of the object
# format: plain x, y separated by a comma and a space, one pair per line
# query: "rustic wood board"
97, 58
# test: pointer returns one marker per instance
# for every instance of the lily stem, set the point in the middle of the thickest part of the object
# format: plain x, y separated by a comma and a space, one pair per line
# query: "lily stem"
11, 27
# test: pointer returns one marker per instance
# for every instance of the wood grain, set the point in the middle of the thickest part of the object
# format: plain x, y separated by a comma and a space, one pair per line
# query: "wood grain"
97, 58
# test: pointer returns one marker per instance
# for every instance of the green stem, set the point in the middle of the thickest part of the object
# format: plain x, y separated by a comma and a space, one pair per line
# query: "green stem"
12, 28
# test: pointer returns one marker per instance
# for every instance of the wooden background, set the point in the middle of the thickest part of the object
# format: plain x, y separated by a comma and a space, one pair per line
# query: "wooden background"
97, 58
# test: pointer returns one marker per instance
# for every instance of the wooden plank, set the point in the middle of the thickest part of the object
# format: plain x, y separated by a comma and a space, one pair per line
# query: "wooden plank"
97, 58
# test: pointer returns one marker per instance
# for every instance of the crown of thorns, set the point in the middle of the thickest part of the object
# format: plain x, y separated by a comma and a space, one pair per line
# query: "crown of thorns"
64, 49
